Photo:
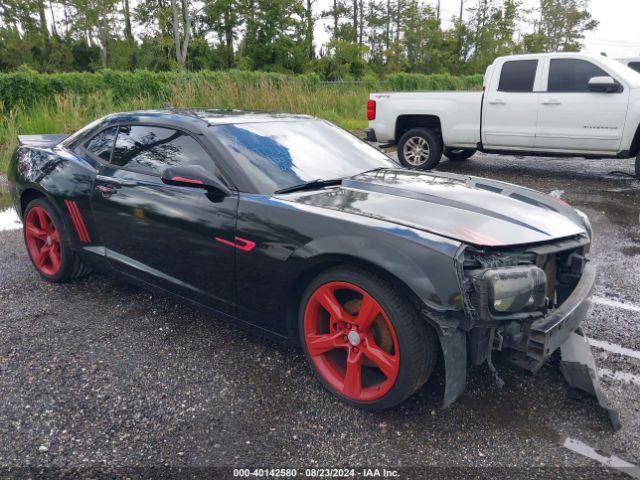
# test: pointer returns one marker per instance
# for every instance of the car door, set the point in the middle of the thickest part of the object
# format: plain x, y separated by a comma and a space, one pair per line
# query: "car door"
510, 106
166, 235
571, 117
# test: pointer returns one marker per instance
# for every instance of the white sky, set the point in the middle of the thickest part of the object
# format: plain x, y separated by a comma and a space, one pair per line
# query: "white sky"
618, 34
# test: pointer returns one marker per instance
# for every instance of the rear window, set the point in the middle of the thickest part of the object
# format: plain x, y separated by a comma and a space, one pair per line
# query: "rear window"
518, 76
151, 149
101, 145
635, 66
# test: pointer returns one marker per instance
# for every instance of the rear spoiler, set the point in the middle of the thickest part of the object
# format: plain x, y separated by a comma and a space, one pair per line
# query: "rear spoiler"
45, 140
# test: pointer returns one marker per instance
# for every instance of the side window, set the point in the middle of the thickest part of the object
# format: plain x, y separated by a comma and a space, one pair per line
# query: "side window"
572, 75
101, 145
518, 76
152, 149
635, 66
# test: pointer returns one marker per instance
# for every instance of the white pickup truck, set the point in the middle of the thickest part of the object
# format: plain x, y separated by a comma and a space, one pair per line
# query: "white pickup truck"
557, 104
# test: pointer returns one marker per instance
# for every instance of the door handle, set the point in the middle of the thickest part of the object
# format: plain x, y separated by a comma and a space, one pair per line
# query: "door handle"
551, 102
497, 101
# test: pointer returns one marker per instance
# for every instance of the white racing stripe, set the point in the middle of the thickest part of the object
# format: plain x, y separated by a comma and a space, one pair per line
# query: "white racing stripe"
616, 304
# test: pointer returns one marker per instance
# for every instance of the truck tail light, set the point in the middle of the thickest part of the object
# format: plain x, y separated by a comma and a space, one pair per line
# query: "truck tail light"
371, 109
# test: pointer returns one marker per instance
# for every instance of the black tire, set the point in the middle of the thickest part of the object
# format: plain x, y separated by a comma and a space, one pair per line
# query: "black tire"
417, 340
459, 154
71, 267
416, 135
638, 167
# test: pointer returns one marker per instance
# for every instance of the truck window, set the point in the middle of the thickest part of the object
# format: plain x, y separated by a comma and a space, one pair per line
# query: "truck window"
518, 76
635, 66
572, 75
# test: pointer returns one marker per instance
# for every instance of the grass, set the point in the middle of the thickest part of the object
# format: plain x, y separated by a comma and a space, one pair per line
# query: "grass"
66, 112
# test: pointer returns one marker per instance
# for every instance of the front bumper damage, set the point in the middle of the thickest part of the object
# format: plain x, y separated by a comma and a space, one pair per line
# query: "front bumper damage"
559, 329
579, 369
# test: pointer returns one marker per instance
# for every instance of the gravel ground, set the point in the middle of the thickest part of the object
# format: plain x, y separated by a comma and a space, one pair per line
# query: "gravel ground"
97, 376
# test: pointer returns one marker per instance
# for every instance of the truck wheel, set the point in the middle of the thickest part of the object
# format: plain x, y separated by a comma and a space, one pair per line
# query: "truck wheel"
48, 243
458, 154
364, 342
420, 148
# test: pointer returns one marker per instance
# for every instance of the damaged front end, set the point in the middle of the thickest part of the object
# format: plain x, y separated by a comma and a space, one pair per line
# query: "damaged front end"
528, 302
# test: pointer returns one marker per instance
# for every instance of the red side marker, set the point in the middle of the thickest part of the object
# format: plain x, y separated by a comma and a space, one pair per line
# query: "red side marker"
239, 243
78, 222
187, 180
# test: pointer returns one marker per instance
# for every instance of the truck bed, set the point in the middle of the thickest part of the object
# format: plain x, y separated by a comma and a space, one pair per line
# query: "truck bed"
457, 112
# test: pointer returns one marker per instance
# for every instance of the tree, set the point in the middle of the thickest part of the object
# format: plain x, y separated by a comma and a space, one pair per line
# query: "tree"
561, 26
310, 24
223, 17
181, 30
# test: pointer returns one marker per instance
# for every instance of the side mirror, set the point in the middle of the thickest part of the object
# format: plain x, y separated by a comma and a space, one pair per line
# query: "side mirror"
194, 176
604, 85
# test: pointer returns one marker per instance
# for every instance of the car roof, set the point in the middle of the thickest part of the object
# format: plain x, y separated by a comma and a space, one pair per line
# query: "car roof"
203, 117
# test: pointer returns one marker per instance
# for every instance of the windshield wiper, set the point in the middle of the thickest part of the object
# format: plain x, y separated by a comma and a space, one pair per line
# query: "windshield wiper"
313, 184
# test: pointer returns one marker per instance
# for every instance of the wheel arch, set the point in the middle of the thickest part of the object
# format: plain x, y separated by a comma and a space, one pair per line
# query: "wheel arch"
326, 262
404, 123
30, 194
635, 144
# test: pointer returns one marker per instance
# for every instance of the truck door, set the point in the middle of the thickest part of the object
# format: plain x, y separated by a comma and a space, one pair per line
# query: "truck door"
510, 106
573, 118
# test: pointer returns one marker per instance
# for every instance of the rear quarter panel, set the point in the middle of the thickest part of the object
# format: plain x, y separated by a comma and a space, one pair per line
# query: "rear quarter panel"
56, 174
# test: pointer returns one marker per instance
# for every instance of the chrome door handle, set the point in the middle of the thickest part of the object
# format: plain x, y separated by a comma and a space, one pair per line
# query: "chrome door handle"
498, 101
552, 102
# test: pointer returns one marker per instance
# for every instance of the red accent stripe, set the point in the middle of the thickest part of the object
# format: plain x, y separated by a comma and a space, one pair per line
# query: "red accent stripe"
78, 222
239, 243
187, 180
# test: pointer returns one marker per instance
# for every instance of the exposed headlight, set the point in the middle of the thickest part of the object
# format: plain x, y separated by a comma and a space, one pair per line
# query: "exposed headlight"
515, 289
587, 226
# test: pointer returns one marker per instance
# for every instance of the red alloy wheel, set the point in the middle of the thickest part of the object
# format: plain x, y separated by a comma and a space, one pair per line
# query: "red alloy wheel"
351, 341
43, 241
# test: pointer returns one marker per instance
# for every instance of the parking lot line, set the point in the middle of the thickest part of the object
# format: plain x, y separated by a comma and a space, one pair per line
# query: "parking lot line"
619, 376
614, 348
617, 463
614, 303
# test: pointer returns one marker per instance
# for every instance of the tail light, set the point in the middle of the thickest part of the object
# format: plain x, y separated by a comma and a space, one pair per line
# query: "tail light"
371, 109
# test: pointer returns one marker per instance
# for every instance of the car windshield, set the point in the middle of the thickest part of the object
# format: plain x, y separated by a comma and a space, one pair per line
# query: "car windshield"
281, 154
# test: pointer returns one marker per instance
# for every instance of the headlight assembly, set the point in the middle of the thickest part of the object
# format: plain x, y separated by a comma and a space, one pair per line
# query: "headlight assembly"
510, 290
587, 226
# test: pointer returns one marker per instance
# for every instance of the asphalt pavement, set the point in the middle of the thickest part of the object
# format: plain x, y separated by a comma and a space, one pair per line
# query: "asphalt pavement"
97, 375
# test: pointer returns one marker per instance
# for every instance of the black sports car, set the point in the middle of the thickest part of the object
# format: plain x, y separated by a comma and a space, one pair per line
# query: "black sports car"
296, 227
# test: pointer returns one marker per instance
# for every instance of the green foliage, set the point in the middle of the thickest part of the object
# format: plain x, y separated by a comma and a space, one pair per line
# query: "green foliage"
64, 102
444, 81
26, 87
561, 27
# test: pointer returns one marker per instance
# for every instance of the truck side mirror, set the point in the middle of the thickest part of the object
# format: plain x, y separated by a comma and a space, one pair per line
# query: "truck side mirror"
604, 85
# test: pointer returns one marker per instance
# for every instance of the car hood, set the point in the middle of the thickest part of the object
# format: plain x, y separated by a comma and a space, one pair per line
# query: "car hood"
469, 209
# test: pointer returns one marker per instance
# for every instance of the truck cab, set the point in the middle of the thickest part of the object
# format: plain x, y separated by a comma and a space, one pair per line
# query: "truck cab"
561, 104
